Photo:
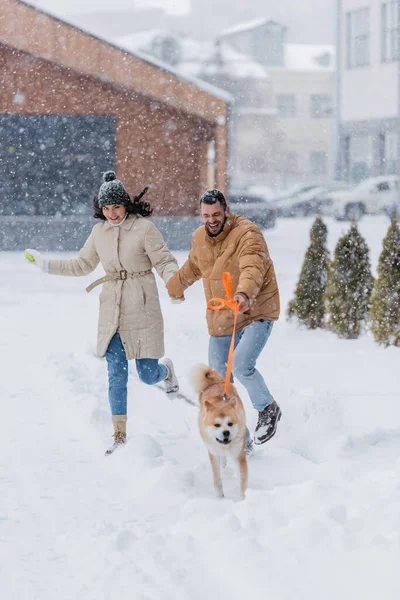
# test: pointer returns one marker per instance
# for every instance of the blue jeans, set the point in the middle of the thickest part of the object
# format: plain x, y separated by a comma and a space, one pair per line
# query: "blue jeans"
149, 371
249, 342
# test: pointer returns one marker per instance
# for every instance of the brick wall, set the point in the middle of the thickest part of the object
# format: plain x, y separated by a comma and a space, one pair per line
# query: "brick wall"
155, 144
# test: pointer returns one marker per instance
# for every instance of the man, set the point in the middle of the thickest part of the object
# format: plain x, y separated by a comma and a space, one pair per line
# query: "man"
228, 242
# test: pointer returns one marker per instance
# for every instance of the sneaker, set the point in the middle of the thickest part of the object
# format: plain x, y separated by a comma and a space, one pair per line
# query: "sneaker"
267, 423
171, 383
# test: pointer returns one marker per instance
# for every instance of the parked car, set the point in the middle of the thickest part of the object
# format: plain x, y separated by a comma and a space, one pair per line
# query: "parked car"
305, 203
298, 204
263, 191
393, 207
252, 207
371, 196
294, 190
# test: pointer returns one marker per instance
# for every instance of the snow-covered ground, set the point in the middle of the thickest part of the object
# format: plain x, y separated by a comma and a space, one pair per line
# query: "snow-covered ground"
321, 520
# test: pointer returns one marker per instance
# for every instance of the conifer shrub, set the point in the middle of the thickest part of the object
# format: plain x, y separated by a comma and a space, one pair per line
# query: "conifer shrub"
385, 309
308, 303
349, 286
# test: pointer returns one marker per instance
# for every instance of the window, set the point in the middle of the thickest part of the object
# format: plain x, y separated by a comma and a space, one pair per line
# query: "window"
318, 163
321, 106
357, 38
286, 105
390, 30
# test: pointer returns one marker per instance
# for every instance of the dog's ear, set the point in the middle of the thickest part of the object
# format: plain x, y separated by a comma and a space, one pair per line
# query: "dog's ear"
207, 405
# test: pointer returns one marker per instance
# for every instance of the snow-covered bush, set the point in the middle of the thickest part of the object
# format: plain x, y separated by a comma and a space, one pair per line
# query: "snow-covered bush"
385, 310
349, 286
308, 302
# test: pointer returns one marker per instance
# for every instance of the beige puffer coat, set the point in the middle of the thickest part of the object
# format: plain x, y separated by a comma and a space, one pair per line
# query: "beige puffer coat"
129, 306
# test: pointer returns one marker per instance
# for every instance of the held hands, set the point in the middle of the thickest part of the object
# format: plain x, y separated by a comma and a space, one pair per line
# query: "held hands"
244, 303
33, 256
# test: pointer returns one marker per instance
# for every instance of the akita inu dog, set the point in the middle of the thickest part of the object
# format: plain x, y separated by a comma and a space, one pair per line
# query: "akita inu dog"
222, 424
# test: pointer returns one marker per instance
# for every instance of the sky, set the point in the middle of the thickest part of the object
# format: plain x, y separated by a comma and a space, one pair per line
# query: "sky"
299, 18
77, 6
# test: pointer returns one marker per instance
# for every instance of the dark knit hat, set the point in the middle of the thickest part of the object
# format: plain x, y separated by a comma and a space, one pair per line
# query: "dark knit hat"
112, 191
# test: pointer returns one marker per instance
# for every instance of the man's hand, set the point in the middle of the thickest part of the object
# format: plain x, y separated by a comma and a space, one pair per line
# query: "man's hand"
244, 303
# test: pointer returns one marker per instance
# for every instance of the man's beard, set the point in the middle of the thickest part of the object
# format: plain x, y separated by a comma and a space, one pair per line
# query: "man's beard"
211, 234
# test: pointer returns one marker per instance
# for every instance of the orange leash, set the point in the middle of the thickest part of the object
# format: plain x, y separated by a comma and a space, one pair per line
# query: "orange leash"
218, 304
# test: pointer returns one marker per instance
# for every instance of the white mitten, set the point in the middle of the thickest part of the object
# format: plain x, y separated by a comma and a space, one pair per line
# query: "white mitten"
37, 259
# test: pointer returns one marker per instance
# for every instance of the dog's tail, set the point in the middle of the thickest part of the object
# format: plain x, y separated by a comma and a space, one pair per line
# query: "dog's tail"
202, 376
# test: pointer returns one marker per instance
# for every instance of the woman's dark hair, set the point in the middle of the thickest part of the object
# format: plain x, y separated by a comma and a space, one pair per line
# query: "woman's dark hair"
134, 207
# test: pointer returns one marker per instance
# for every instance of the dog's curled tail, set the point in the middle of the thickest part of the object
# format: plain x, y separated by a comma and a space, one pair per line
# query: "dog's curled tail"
202, 376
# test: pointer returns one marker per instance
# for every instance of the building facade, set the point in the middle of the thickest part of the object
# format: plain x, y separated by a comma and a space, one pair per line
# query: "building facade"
73, 105
303, 96
370, 88
300, 96
281, 126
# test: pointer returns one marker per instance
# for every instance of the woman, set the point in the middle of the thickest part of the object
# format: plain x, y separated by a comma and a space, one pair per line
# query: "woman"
130, 321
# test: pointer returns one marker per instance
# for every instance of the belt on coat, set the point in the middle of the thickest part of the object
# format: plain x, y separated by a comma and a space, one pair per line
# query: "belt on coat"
118, 275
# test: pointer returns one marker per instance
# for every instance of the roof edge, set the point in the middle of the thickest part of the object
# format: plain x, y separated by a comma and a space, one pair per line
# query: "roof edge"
249, 26
199, 83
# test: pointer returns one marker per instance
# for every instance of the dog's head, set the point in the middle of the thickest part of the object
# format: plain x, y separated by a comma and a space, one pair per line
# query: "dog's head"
221, 419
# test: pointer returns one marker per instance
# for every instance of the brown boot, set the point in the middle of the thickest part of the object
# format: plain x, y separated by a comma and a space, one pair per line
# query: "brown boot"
119, 422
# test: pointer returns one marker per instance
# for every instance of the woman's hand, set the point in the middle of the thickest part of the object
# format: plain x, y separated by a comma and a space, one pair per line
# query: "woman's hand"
33, 256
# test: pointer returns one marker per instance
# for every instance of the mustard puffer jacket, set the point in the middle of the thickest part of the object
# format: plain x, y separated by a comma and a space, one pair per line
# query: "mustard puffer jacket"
241, 250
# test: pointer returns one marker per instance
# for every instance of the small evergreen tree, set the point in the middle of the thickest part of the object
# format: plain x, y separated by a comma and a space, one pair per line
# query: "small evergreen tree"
349, 285
385, 310
308, 303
